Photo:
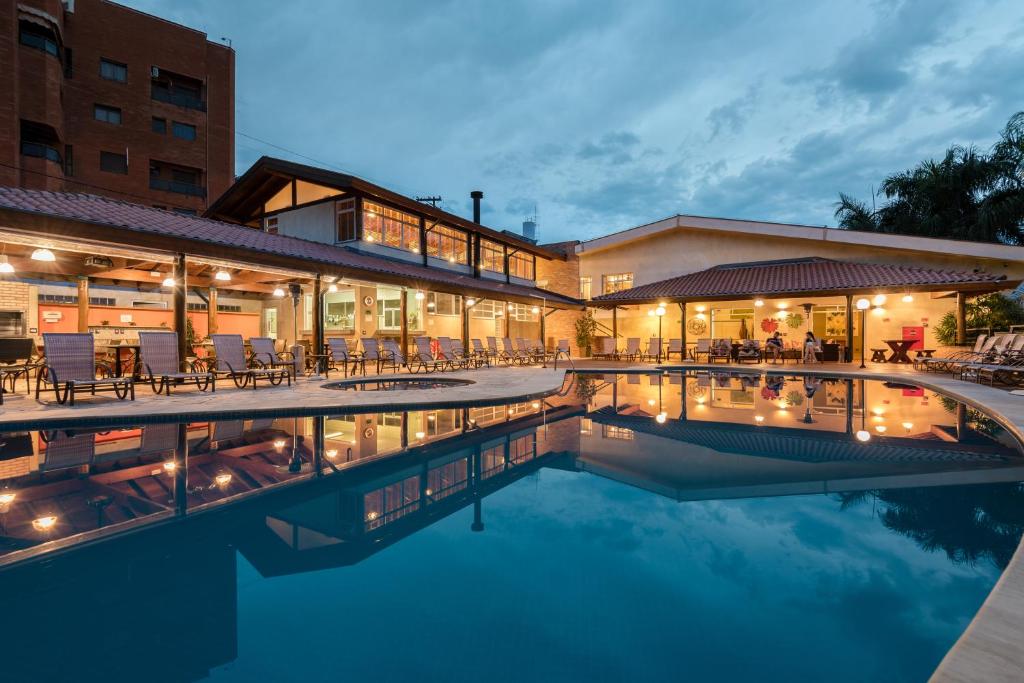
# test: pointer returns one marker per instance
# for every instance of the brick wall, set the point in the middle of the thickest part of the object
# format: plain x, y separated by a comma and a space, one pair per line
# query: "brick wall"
562, 277
14, 296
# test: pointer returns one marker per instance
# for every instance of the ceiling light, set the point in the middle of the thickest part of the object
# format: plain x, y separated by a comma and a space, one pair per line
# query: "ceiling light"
168, 282
863, 435
331, 453
43, 255
878, 300
660, 418
223, 479
7, 498
908, 299
332, 288
170, 466
5, 265
278, 292
535, 310
759, 302
44, 523
222, 275
470, 301
420, 435
863, 304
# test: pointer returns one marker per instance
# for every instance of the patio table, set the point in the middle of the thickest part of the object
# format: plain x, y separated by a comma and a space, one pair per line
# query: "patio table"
133, 353
899, 349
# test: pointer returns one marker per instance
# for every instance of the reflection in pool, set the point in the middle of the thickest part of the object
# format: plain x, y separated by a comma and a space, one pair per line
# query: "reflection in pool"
643, 527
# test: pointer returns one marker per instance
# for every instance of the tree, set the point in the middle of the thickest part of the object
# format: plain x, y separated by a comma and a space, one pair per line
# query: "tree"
966, 195
992, 311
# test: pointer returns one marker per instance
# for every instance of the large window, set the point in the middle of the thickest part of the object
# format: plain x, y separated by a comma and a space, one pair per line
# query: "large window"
113, 71
184, 131
521, 265
522, 313
389, 309
111, 162
492, 256
391, 227
340, 311
585, 283
107, 114
346, 219
444, 304
617, 282
447, 243
38, 37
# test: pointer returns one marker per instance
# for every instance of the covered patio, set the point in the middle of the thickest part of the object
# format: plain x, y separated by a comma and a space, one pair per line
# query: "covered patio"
851, 308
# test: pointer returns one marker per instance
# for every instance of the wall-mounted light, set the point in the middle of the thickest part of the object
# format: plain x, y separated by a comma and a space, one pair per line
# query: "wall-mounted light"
878, 300
782, 305
907, 299
420, 296
421, 435
471, 301
660, 418
222, 479
332, 288
43, 255
659, 311
279, 443
701, 308
908, 426
168, 282
881, 429
863, 304
758, 303
759, 419
535, 310
44, 523
170, 466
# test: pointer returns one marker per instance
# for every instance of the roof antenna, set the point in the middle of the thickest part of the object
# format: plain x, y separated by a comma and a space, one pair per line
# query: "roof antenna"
433, 201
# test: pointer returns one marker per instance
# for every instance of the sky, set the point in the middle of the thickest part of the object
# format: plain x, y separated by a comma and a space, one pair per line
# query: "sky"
600, 115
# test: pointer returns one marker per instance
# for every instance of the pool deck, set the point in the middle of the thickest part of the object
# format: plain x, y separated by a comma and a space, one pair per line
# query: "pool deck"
990, 649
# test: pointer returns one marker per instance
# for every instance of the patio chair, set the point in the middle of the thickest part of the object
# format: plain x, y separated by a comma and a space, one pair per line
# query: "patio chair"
510, 354
940, 362
460, 352
481, 353
750, 351
721, 349
632, 351
449, 353
71, 366
563, 349
231, 362
1007, 361
525, 350
606, 349
991, 350
675, 346
160, 365
423, 357
392, 355
265, 351
338, 353
372, 352
494, 352
653, 350
703, 348
17, 357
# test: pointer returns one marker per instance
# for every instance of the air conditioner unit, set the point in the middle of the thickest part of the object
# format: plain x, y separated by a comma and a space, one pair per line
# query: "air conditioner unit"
98, 262
154, 71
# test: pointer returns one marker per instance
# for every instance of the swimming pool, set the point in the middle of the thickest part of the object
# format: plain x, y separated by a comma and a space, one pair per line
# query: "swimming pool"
641, 527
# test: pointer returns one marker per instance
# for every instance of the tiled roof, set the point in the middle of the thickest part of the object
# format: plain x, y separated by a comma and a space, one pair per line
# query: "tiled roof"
306, 253
796, 276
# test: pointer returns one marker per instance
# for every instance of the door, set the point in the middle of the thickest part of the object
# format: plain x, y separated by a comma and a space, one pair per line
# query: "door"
270, 322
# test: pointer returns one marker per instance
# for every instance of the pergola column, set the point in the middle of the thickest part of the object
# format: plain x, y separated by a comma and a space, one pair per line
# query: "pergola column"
465, 323
318, 317
543, 327
961, 318
615, 325
83, 303
403, 313
211, 312
848, 355
180, 276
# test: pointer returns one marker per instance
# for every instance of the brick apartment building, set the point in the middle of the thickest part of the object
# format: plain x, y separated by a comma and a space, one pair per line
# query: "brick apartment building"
96, 97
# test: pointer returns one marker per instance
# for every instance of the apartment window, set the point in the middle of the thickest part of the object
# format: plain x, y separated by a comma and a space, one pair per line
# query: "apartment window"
38, 37
106, 114
183, 91
444, 304
492, 256
184, 131
521, 265
113, 71
38, 140
270, 225
159, 126
448, 244
585, 283
346, 219
391, 227
617, 282
112, 162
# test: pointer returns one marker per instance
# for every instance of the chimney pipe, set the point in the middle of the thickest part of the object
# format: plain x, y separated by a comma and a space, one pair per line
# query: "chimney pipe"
477, 195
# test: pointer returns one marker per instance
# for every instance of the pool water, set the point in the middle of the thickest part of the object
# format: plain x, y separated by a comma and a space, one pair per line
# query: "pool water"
396, 384
641, 527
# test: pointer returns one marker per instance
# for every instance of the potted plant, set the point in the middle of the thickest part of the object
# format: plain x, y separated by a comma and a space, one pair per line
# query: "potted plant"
585, 328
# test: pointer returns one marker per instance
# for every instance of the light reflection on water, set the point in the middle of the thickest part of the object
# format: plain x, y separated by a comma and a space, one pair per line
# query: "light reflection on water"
576, 538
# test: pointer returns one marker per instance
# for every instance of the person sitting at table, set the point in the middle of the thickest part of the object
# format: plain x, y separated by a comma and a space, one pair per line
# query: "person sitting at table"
774, 345
811, 348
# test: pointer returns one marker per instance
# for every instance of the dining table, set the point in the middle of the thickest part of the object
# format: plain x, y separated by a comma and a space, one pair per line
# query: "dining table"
900, 347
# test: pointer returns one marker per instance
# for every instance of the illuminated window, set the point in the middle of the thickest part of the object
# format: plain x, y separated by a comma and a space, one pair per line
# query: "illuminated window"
585, 287
612, 432
390, 227
492, 256
389, 309
448, 244
444, 304
340, 310
617, 282
522, 313
521, 265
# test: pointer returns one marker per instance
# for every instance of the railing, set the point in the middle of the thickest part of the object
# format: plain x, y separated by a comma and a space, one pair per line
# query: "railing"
178, 186
179, 98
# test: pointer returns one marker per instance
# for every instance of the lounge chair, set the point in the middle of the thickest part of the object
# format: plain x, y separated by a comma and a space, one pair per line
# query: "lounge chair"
606, 349
940, 362
998, 364
231, 362
563, 349
703, 348
448, 355
264, 351
991, 351
481, 353
653, 350
675, 346
338, 353
160, 365
71, 366
750, 351
460, 352
509, 354
423, 357
632, 351
372, 352
721, 349
392, 355
525, 350
17, 357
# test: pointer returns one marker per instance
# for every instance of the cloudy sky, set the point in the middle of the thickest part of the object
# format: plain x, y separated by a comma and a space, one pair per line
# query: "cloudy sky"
608, 114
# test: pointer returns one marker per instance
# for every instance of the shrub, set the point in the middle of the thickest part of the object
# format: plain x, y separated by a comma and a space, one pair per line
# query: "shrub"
994, 311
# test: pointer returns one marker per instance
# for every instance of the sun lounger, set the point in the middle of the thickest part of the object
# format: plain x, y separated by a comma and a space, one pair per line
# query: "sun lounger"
339, 354
391, 355
448, 355
606, 349
160, 365
750, 351
675, 346
71, 367
423, 357
267, 356
231, 362
721, 349
632, 351
703, 348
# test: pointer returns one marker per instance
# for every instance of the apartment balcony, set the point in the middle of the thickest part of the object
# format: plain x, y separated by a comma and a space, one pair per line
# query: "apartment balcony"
177, 186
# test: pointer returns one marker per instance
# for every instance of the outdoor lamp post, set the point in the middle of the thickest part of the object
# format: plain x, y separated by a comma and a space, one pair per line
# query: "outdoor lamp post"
660, 312
863, 305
